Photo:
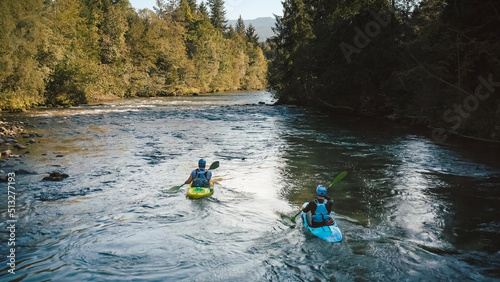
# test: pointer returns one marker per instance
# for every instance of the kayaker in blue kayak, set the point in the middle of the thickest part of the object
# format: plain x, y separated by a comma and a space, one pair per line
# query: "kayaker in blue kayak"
320, 209
200, 177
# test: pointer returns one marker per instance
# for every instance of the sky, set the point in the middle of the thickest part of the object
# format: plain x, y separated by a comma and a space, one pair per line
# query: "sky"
248, 9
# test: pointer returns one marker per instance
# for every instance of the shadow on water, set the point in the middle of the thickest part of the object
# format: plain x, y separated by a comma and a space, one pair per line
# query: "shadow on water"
409, 209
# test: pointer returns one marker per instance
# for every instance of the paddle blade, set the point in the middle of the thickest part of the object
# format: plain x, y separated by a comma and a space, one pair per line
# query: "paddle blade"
295, 216
338, 178
286, 220
214, 165
175, 188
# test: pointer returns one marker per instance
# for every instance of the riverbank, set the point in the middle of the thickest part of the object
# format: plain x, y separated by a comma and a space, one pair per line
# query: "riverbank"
15, 139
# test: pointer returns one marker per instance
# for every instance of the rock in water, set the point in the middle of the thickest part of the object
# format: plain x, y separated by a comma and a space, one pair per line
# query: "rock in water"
56, 176
19, 146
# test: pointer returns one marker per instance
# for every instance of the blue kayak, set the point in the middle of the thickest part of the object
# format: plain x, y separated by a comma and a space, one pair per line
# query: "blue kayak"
329, 233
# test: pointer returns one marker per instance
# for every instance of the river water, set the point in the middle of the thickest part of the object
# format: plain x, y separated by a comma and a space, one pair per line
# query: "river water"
409, 209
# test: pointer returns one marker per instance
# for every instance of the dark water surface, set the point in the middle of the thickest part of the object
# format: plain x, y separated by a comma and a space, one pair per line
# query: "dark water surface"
409, 209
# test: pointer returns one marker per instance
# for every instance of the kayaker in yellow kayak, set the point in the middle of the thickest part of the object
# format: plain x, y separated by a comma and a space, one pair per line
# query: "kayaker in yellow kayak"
320, 209
200, 177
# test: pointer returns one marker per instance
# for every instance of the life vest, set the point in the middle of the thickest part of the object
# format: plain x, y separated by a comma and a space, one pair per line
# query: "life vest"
200, 180
321, 213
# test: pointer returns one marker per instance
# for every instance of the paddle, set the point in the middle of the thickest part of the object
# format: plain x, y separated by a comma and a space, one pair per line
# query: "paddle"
213, 166
337, 179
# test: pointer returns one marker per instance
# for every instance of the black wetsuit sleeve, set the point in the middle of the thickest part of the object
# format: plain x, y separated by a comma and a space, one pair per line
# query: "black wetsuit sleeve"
329, 205
310, 207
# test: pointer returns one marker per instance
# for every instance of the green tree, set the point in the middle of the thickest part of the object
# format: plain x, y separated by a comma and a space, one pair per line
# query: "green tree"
251, 36
256, 72
240, 27
24, 32
204, 49
73, 67
187, 11
240, 60
202, 8
192, 6
113, 29
218, 14
294, 33
160, 64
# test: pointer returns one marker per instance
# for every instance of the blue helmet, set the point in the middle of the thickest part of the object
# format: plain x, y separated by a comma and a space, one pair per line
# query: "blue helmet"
321, 190
202, 163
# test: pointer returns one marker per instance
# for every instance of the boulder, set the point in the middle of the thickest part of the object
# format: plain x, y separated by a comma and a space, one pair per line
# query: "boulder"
19, 146
56, 176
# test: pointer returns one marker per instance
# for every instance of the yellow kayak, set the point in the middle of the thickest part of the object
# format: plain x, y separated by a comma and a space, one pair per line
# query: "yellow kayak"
199, 192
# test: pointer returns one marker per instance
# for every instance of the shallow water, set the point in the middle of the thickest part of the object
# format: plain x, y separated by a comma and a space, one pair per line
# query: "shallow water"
409, 209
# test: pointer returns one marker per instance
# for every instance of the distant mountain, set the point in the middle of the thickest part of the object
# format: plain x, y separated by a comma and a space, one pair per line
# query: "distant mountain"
262, 26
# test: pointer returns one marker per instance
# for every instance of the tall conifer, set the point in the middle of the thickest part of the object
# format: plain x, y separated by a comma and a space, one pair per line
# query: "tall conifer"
218, 14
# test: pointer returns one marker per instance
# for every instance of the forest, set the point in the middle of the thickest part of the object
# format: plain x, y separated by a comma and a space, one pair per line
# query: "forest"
69, 52
433, 62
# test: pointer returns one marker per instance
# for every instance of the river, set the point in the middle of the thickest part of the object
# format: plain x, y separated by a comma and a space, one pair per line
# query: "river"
409, 209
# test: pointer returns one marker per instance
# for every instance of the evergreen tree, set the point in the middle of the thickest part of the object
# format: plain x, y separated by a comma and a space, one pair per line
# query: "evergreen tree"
294, 33
218, 14
240, 27
251, 36
182, 13
203, 10
192, 6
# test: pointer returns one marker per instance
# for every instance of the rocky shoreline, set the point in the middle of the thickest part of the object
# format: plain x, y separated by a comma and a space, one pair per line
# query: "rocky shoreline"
15, 141
10, 145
